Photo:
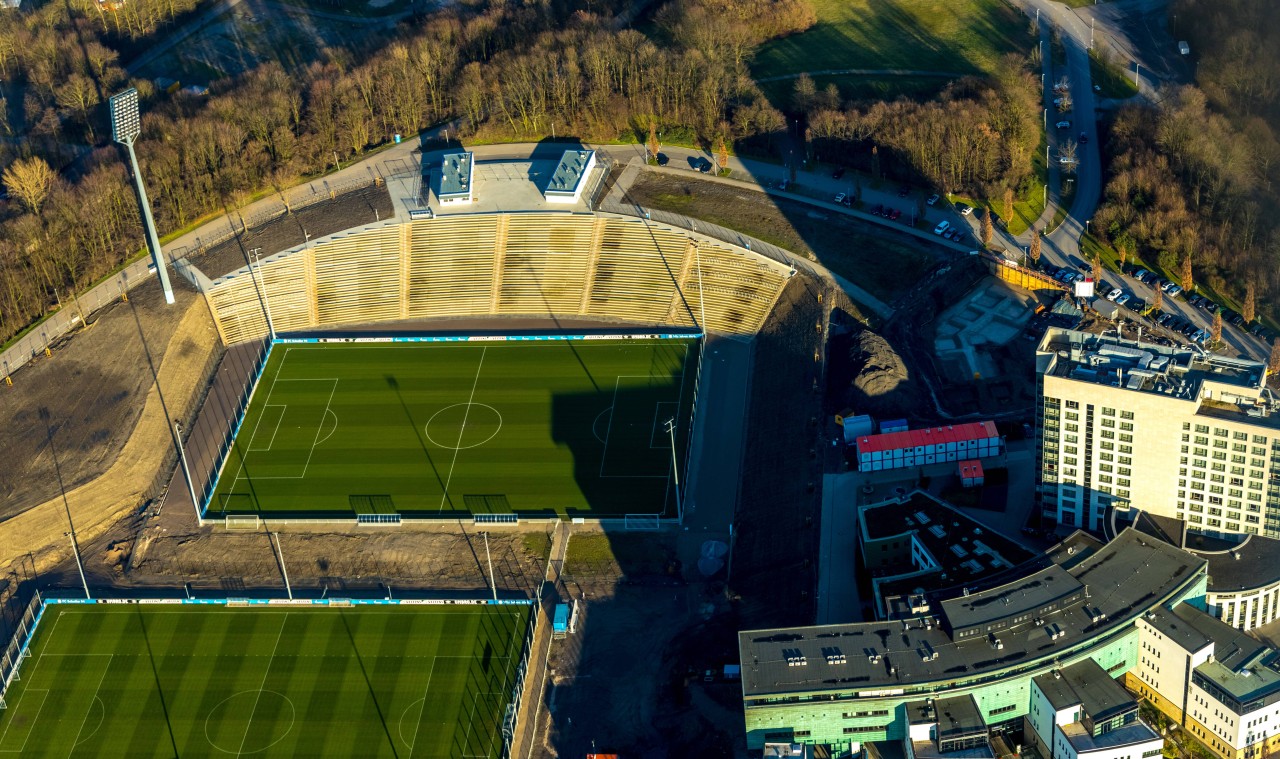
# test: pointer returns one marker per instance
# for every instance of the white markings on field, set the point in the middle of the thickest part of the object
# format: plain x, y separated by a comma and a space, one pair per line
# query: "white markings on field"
444, 496
249, 723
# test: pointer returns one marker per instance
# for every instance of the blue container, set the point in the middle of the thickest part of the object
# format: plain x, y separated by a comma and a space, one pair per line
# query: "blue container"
561, 621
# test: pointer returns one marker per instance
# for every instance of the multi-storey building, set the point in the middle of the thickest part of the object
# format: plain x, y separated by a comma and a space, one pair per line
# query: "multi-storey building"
1217, 682
844, 686
1171, 431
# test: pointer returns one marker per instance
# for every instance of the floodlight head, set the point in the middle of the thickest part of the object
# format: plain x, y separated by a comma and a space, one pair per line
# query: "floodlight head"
126, 123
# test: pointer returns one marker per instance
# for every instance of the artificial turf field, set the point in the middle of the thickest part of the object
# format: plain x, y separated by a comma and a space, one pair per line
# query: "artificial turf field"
574, 428
146, 680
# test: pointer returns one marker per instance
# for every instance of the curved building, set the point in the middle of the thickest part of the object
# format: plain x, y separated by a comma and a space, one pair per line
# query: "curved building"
1244, 582
854, 684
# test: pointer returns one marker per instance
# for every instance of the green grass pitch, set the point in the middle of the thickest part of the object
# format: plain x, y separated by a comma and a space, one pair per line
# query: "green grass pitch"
574, 428
424, 682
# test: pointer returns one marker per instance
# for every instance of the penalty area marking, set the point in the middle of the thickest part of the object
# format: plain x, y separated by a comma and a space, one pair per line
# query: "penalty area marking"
608, 435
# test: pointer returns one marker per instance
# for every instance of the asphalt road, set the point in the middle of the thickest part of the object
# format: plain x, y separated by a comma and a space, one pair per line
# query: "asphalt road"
1116, 24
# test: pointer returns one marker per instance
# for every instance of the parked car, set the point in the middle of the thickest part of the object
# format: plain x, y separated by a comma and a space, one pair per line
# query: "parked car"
966, 210
1139, 274
893, 216
1211, 307
1137, 304
1114, 293
1084, 138
839, 172
932, 199
1165, 285
1257, 329
904, 191
1064, 124
878, 210
662, 159
942, 227
1237, 320
1123, 298
840, 198
1175, 290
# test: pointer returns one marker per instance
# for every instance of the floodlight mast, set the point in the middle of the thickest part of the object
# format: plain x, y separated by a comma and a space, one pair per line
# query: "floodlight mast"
126, 125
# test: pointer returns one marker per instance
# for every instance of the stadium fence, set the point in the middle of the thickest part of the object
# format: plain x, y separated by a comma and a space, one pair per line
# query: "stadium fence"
18, 647
258, 363
16, 651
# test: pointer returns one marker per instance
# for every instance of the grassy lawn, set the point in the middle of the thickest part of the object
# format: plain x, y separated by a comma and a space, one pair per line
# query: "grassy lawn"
1027, 209
595, 553
456, 428
885, 263
962, 36
181, 680
1114, 80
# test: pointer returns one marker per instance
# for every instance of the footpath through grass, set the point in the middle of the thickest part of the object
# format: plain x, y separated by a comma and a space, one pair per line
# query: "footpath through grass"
162, 681
961, 36
459, 428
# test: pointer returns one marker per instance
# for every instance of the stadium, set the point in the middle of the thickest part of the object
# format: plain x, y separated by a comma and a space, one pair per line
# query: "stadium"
391, 373
492, 364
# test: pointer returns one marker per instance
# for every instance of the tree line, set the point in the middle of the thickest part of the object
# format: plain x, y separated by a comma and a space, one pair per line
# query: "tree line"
1192, 180
503, 70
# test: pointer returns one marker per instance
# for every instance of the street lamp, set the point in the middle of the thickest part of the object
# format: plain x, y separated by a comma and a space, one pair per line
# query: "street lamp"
255, 273
186, 471
126, 125
675, 468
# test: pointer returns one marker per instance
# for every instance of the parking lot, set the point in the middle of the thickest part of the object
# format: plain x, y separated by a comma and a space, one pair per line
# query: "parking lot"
1181, 317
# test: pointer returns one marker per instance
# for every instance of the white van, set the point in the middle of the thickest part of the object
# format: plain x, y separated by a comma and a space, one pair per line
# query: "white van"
942, 227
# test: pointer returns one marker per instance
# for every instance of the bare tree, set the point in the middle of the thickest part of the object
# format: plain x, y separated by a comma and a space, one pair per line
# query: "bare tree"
1274, 362
722, 156
1035, 246
1188, 281
1068, 155
1122, 248
1157, 302
30, 180
1097, 268
988, 230
1250, 309
654, 146
1008, 205
1217, 326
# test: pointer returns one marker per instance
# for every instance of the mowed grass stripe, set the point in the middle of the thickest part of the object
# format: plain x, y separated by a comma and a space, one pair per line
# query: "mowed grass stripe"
379, 428
341, 683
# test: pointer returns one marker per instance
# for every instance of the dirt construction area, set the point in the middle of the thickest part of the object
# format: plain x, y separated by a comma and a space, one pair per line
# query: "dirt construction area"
630, 679
86, 399
123, 430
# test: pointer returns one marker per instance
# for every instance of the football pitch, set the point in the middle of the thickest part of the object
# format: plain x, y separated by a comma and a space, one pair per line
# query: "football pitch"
566, 427
151, 680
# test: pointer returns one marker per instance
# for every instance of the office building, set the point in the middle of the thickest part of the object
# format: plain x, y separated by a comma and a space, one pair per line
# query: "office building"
1168, 430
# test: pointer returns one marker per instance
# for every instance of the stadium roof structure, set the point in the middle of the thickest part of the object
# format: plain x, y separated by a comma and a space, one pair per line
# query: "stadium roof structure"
571, 172
1124, 579
455, 176
932, 436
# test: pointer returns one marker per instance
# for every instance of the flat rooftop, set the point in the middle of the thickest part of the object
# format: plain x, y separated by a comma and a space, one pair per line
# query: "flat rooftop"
965, 550
455, 174
1128, 735
1253, 563
1087, 684
1233, 385
570, 172
1126, 577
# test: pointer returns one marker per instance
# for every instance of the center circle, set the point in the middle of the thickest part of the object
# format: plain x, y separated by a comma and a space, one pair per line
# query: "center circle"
249, 722
463, 425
